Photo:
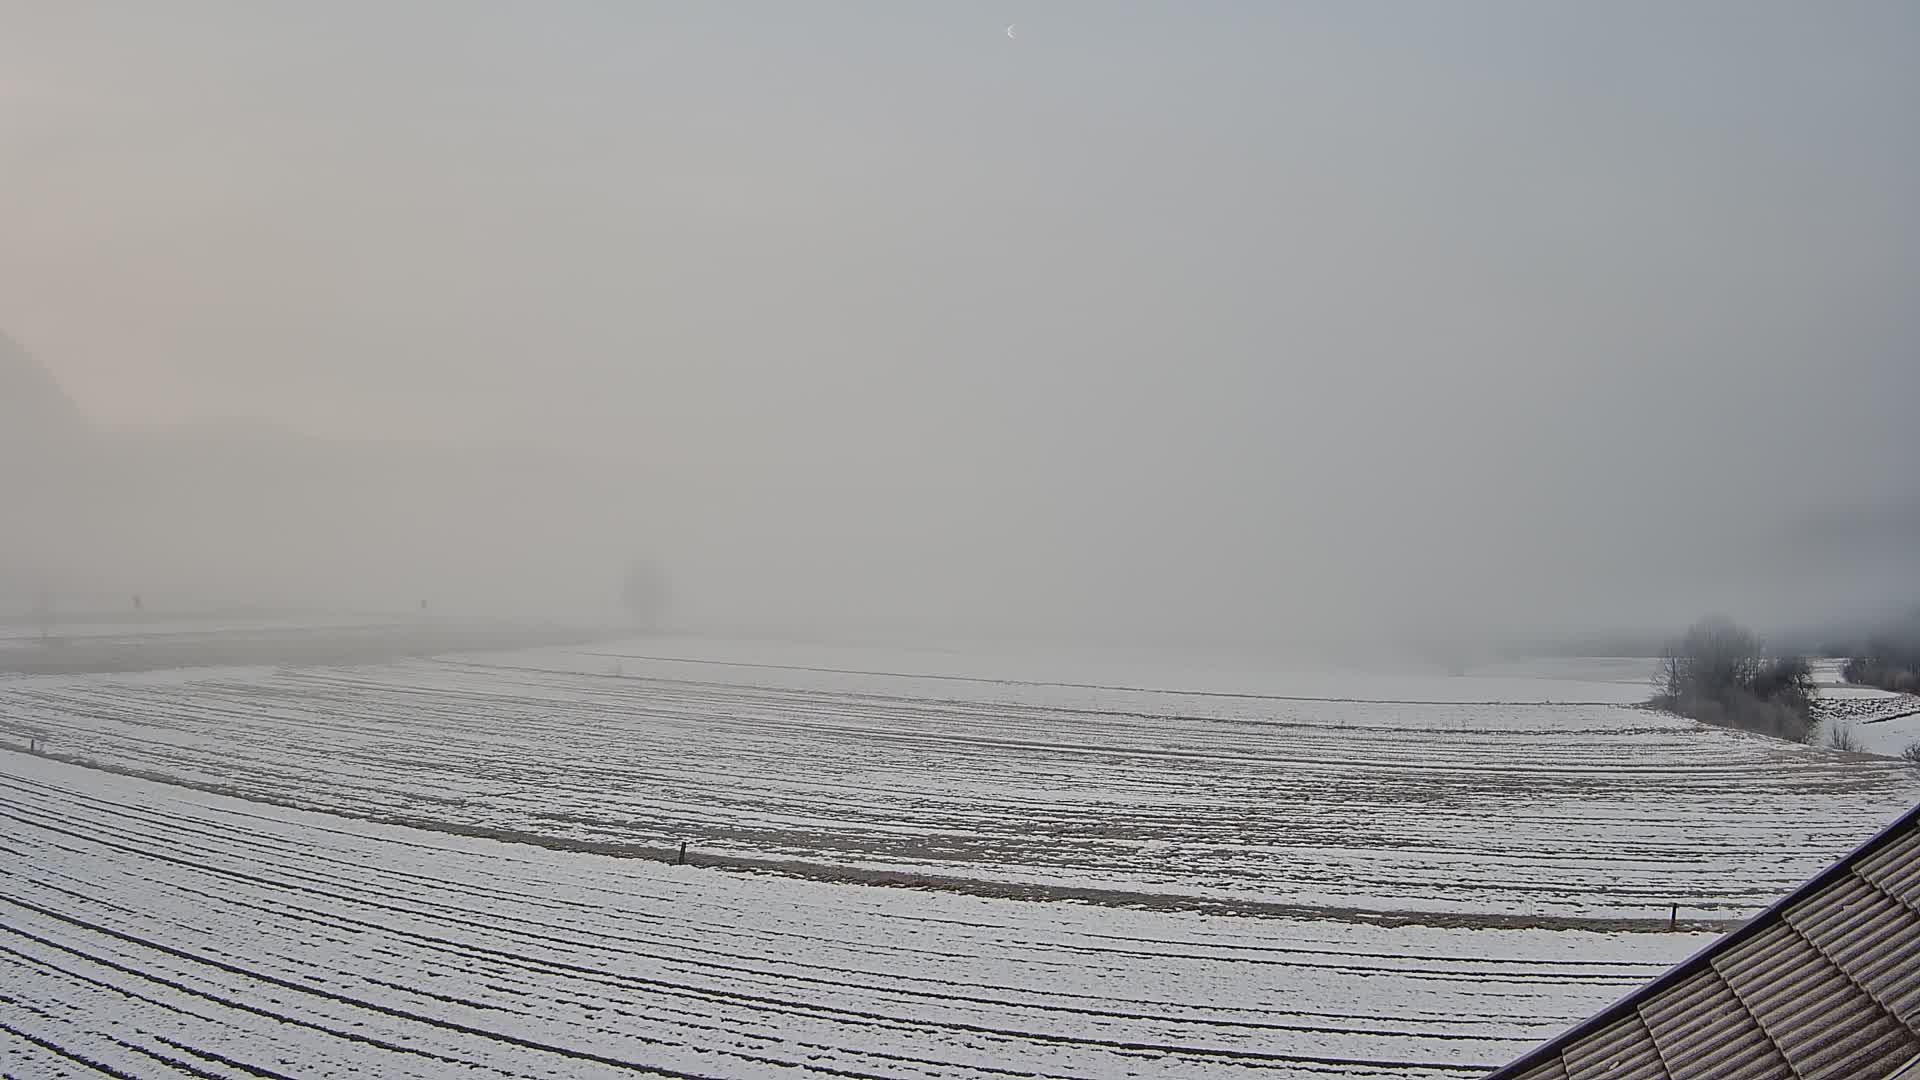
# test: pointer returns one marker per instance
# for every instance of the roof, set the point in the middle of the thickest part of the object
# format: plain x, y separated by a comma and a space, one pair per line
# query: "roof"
1823, 984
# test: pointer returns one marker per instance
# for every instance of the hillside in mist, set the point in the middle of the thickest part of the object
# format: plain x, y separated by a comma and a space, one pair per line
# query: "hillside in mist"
32, 404
240, 513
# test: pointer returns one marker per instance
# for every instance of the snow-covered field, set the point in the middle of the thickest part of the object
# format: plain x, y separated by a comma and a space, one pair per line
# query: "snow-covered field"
160, 931
905, 862
1471, 796
1879, 721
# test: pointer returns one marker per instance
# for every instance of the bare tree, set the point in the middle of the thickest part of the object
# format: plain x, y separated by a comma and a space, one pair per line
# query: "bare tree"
1715, 655
1716, 673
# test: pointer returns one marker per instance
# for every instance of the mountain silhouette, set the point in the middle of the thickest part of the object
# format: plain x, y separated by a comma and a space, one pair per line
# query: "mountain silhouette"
32, 404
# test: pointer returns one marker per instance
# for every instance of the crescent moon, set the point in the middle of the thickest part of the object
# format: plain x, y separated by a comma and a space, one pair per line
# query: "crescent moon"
1009, 29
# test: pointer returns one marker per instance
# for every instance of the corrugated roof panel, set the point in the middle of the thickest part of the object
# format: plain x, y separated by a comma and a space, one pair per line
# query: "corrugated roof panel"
1621, 1051
1857, 1056
1895, 866
1871, 936
1838, 904
1549, 1070
1704, 1033
1697, 989
1902, 845
1770, 975
1797, 995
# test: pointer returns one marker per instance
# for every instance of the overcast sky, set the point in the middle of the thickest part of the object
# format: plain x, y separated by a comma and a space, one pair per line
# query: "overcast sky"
1199, 317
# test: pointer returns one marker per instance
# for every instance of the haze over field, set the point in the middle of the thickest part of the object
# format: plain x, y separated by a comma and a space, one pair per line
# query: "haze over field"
1237, 324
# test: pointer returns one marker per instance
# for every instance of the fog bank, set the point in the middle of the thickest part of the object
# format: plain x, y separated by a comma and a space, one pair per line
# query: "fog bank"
1268, 325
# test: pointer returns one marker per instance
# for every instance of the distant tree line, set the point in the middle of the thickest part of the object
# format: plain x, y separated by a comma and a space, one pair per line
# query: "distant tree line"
1889, 660
1718, 673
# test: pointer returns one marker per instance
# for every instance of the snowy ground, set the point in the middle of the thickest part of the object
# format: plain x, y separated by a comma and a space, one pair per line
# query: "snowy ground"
1295, 873
1510, 797
160, 931
1880, 721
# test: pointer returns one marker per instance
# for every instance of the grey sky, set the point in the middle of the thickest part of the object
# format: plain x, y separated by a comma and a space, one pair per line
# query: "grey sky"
1234, 316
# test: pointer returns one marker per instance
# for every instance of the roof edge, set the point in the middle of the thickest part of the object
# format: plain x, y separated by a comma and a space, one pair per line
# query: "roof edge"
1539, 1055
